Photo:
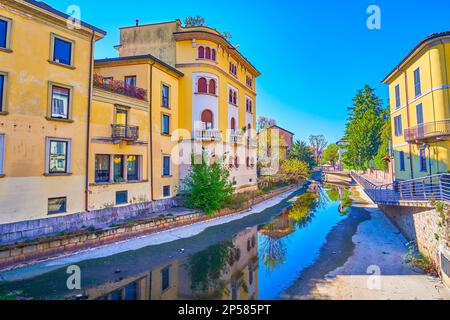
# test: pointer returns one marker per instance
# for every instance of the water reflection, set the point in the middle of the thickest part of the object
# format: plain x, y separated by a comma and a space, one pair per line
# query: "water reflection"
257, 263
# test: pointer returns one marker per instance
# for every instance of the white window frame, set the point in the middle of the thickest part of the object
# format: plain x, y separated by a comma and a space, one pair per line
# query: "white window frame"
2, 154
8, 33
47, 156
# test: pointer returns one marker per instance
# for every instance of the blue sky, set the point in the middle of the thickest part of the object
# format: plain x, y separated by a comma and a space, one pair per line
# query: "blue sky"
313, 55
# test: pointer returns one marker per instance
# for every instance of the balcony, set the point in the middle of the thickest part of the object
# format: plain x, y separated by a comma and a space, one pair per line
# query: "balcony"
252, 142
235, 138
428, 132
207, 135
119, 87
125, 132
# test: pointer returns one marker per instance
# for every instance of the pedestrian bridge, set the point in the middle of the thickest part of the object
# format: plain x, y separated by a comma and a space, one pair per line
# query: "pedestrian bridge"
420, 192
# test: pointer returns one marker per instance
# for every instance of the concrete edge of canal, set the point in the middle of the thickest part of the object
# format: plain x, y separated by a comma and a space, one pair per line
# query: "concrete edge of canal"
18, 255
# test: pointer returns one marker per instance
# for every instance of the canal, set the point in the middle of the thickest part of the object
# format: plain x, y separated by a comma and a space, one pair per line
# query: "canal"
257, 257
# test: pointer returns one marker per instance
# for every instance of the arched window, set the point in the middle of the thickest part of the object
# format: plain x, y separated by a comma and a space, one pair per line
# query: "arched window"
207, 119
236, 162
208, 53
250, 109
213, 54
230, 96
202, 85
212, 86
233, 125
235, 98
201, 52
248, 162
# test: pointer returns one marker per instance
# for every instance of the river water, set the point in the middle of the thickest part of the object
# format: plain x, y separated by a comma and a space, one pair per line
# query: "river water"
256, 257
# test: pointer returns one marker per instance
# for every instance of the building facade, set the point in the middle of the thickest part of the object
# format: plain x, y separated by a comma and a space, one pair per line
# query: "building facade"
420, 109
217, 95
44, 102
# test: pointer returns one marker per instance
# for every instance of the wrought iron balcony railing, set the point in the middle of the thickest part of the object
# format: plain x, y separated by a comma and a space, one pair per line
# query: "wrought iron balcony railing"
207, 135
435, 130
235, 138
125, 132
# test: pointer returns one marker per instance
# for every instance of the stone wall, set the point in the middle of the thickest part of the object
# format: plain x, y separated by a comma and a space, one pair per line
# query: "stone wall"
419, 225
12, 255
32, 229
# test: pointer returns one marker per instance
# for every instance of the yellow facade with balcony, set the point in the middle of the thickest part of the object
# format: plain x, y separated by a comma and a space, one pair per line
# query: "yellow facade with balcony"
45, 87
420, 109
217, 94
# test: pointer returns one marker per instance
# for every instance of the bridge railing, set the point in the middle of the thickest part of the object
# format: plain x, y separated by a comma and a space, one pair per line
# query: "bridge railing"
425, 189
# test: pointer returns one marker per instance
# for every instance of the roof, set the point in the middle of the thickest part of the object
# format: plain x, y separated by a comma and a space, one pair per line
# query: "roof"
423, 42
145, 56
45, 6
275, 126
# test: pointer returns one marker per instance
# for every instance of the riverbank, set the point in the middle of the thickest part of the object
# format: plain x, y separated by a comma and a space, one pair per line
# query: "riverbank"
194, 224
363, 259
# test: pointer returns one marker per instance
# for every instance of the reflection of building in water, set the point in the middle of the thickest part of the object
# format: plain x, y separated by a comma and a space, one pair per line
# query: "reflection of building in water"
237, 276
279, 227
161, 283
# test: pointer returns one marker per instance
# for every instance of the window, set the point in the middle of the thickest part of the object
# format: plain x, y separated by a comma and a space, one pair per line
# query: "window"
131, 291
57, 205
3, 80
60, 102
233, 69
397, 96
232, 96
121, 117
212, 87
166, 166
133, 168
130, 81
423, 160
58, 154
121, 197
207, 120
165, 124
102, 168
108, 80
165, 279
165, 96
402, 161
62, 51
201, 52
233, 125
118, 168
417, 84
207, 53
2, 154
166, 191
249, 106
202, 85
5, 32
249, 81
398, 126
419, 114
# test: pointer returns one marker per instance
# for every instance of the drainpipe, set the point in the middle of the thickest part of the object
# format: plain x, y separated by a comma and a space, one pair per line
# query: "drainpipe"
152, 197
88, 130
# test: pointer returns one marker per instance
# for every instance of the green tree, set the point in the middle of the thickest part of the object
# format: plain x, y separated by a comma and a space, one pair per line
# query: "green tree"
383, 151
294, 171
208, 186
331, 154
318, 142
194, 21
363, 129
301, 151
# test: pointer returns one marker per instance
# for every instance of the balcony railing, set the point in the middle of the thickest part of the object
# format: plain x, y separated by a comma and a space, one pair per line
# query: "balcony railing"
252, 142
119, 87
207, 135
428, 131
125, 132
235, 138
426, 189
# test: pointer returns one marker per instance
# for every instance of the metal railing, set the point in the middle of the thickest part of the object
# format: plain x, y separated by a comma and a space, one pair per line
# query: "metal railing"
235, 138
207, 135
428, 130
252, 142
426, 189
125, 132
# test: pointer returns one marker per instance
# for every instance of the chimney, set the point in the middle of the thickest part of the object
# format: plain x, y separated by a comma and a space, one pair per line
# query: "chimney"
137, 22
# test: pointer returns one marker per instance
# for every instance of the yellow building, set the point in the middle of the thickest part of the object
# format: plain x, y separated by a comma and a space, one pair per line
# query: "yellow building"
217, 95
420, 109
45, 86
160, 84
